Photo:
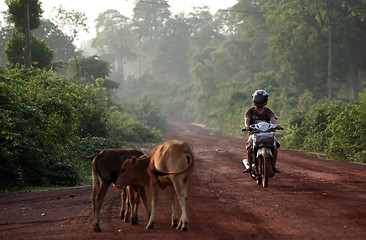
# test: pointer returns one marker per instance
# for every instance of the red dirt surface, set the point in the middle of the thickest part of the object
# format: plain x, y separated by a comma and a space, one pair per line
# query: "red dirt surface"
311, 199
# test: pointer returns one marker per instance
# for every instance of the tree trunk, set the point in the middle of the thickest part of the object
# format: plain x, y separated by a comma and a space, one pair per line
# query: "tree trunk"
27, 54
354, 81
122, 73
330, 58
354, 52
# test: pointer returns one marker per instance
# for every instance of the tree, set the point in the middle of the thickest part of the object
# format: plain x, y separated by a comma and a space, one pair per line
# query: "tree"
5, 34
114, 40
16, 11
149, 18
205, 33
71, 23
352, 31
25, 14
53, 36
250, 43
310, 36
56, 40
90, 69
298, 42
172, 58
93, 68
42, 55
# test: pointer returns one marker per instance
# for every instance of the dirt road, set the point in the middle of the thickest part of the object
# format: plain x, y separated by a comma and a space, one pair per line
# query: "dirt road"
311, 199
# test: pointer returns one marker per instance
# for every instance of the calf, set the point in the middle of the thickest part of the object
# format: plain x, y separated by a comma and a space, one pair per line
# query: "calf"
170, 164
105, 169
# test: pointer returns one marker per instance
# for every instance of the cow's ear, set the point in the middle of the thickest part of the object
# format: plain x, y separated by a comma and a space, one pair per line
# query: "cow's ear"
134, 161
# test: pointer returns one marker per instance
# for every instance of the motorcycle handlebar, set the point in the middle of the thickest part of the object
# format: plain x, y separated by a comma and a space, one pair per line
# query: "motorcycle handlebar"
251, 129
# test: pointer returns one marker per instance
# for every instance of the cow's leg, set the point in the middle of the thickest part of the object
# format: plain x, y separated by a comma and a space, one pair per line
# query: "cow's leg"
142, 194
123, 209
174, 222
98, 205
133, 204
181, 188
137, 202
124, 205
96, 188
154, 192
186, 184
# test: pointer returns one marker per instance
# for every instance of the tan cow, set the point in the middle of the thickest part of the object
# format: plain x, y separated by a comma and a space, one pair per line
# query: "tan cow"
171, 164
105, 169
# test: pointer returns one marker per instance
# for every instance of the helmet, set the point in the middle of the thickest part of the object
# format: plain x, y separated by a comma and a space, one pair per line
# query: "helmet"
260, 98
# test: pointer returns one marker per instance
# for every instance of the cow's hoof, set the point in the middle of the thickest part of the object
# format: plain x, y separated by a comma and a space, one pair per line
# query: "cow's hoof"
149, 226
174, 223
97, 228
183, 226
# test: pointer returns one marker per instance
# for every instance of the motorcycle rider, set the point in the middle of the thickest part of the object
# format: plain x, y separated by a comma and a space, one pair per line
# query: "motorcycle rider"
257, 114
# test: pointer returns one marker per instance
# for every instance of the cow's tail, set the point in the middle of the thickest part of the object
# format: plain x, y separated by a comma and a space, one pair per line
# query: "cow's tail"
190, 160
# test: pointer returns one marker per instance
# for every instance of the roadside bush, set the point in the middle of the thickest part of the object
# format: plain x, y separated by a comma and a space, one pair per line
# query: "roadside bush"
52, 127
339, 130
316, 124
63, 174
39, 118
293, 138
348, 134
146, 111
125, 128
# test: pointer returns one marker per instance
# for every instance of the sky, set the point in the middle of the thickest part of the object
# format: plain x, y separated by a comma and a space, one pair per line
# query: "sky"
93, 8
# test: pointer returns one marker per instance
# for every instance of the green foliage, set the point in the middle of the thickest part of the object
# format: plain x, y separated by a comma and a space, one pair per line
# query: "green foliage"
337, 130
123, 126
14, 49
92, 68
42, 55
52, 127
56, 40
114, 40
16, 11
348, 134
22, 41
203, 67
49, 32
37, 122
63, 174
147, 111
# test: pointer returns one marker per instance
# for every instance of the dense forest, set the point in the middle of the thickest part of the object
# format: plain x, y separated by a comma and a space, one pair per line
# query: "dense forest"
57, 113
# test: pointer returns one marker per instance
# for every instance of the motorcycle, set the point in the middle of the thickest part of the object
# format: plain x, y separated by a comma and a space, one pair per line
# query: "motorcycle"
263, 151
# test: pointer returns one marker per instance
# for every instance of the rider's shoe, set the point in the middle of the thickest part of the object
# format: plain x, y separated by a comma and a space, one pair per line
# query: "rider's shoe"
247, 170
276, 170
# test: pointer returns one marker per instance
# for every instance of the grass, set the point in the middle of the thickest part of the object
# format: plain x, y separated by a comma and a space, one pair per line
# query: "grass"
15, 189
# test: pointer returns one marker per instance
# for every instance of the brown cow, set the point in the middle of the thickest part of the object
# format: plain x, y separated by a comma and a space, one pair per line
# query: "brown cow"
171, 164
105, 169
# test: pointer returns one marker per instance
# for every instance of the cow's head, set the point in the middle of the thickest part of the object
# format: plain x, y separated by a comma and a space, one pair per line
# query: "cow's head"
127, 172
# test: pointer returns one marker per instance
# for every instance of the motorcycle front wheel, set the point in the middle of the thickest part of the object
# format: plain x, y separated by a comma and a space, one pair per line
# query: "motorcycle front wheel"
259, 168
259, 180
266, 169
